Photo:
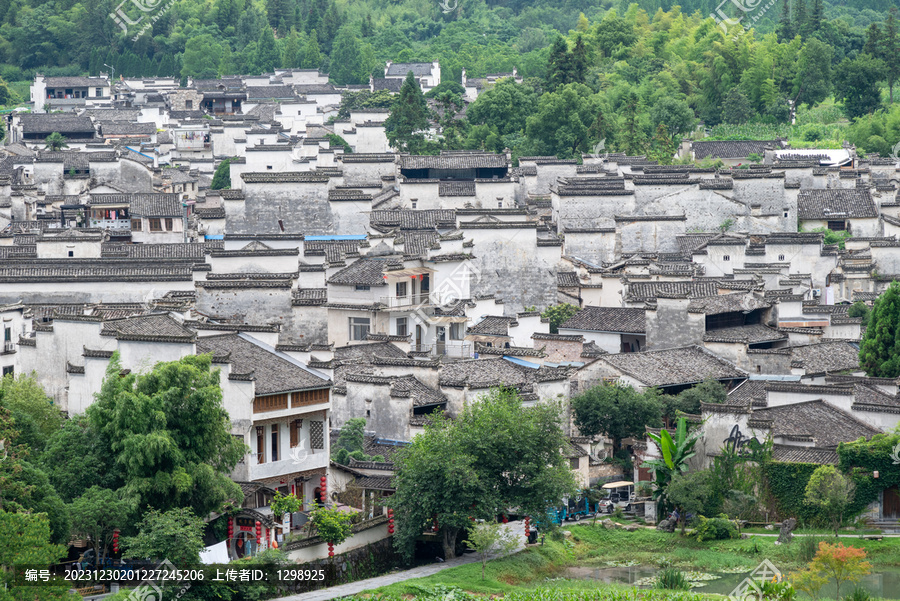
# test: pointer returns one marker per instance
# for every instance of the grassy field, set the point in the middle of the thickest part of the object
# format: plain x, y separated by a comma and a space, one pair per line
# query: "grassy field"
539, 567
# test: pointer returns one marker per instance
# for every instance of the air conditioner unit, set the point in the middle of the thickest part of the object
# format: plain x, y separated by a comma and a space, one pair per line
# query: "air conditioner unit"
817, 292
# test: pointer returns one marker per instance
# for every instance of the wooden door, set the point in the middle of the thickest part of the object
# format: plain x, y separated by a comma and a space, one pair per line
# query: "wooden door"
890, 504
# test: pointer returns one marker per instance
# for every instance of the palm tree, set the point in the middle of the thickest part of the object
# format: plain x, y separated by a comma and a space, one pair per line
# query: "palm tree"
55, 141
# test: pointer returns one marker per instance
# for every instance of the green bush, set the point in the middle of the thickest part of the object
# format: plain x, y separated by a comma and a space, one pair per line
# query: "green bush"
719, 528
859, 594
672, 579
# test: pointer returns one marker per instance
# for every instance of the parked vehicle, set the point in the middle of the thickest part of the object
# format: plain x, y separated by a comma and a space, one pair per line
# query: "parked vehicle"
579, 507
621, 494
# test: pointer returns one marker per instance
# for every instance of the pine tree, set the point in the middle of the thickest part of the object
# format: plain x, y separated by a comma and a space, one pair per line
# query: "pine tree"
879, 351
267, 57
890, 52
290, 54
331, 22
800, 18
817, 16
312, 57
559, 64
785, 28
632, 139
579, 61
408, 118
367, 29
166, 66
312, 20
663, 146
874, 43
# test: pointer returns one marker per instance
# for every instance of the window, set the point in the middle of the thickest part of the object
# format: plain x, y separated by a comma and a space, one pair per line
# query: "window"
316, 435
98, 92
296, 425
785, 214
362, 288
359, 328
272, 402
155, 225
135, 225
574, 463
499, 203
759, 369
260, 444
7, 371
401, 289
781, 257
274, 442
269, 167
168, 224
837, 226
414, 203
368, 413
188, 104
726, 258
402, 326
71, 253
309, 397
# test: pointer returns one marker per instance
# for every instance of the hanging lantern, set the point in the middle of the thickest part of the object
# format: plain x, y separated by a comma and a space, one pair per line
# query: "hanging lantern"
230, 528
115, 541
505, 520
330, 549
390, 514
527, 529
258, 532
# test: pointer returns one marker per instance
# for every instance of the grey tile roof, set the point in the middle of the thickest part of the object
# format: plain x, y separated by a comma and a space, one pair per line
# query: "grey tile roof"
391, 85
835, 204
148, 327
873, 398
420, 394
269, 92
748, 392
790, 454
64, 123
375, 482
567, 279
407, 219
728, 303
124, 128
456, 188
486, 373
334, 251
749, 334
402, 69
274, 372
454, 161
366, 271
824, 423
650, 290
607, 319
826, 357
493, 326
735, 149
670, 367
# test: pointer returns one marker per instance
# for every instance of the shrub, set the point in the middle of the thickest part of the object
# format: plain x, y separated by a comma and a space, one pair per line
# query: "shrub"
808, 547
859, 594
719, 528
672, 579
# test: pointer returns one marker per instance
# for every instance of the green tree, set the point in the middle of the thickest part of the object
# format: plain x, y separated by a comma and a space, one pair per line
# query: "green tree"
346, 55
708, 391
861, 310
857, 83
844, 564
831, 493
663, 147
408, 120
813, 82
26, 539
312, 56
785, 28
97, 514
689, 492
675, 114
890, 51
267, 55
558, 314
170, 435
283, 504
560, 67
75, 458
675, 451
879, 351
332, 524
505, 105
736, 108
496, 454
291, 57
616, 411
612, 33
632, 138
201, 57
222, 177
55, 142
561, 125
489, 538
176, 535
34, 413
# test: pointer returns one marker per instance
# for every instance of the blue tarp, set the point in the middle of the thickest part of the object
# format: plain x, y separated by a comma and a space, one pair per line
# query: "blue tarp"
521, 362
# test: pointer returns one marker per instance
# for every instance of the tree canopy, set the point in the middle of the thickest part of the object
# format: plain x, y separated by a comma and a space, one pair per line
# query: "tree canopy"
879, 351
617, 411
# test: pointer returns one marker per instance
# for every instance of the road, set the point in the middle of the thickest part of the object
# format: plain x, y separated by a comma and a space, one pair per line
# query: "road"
360, 586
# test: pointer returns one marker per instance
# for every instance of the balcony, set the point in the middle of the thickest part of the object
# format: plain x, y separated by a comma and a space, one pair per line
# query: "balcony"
408, 302
283, 467
9, 347
111, 224
444, 349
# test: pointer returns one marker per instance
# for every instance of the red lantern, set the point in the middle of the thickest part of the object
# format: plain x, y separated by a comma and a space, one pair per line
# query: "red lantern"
258, 532
505, 520
527, 522
435, 528
115, 541
230, 528
323, 484
330, 549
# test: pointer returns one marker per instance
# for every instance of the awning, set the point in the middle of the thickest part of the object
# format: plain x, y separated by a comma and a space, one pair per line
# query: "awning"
408, 272
617, 484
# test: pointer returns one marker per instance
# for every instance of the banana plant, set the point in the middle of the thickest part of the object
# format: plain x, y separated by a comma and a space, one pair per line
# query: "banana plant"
675, 454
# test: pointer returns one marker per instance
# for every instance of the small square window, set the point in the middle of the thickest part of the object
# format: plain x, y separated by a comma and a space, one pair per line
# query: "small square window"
785, 214
781, 257
168, 224
368, 413
269, 167
726, 258
414, 204
402, 327
71, 253
188, 104
362, 287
